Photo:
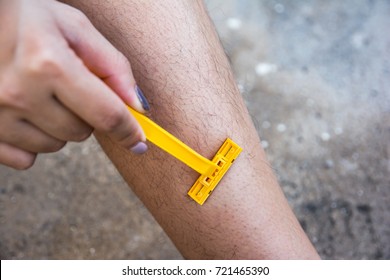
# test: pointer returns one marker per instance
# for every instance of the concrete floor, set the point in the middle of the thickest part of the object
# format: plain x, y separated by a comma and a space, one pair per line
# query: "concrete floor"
315, 75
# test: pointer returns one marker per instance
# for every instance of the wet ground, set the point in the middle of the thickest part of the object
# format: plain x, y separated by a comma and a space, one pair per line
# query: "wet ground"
316, 78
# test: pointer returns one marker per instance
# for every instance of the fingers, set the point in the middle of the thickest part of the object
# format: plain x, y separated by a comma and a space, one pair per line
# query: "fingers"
104, 110
65, 82
100, 56
96, 103
15, 157
27, 137
66, 127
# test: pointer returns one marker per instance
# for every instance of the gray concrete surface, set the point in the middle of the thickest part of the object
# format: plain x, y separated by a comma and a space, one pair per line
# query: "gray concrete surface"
315, 75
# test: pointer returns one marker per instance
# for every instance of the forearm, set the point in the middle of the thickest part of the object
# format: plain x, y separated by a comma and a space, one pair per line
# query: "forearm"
178, 61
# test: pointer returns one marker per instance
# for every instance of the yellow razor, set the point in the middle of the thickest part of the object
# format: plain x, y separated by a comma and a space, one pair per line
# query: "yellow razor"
211, 171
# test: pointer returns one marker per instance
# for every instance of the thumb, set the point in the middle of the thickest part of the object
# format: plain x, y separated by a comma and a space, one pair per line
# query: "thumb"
100, 56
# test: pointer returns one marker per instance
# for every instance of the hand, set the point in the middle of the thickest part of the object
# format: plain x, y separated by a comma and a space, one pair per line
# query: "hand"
60, 79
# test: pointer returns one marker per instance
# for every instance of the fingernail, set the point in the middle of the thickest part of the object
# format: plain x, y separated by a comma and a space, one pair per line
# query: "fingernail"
142, 98
139, 148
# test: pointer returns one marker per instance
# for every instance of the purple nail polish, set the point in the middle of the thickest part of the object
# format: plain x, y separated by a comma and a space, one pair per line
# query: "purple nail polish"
142, 98
139, 148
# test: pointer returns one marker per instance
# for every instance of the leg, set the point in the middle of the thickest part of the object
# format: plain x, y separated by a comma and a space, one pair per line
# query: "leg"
178, 61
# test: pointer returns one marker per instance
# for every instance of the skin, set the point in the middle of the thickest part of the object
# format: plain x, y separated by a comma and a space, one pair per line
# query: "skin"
178, 61
60, 79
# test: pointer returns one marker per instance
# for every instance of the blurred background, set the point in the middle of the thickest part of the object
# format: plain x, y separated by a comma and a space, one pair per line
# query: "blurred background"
316, 79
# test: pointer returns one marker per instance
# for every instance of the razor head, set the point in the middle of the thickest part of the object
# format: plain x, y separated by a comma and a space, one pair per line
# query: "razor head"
205, 184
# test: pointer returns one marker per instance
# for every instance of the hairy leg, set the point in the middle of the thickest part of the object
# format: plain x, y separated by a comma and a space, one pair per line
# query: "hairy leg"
179, 63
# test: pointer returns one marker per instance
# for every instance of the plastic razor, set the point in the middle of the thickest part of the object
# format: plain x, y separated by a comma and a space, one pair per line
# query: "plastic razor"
211, 171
